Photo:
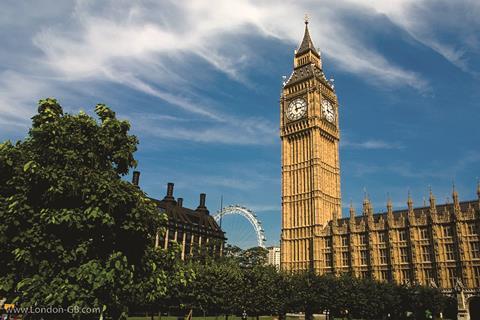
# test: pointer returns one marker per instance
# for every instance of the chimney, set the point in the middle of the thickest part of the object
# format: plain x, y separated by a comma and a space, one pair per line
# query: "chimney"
201, 207
180, 202
169, 196
136, 178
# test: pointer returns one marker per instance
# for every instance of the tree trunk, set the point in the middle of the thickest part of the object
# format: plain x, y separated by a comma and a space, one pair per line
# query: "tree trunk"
308, 314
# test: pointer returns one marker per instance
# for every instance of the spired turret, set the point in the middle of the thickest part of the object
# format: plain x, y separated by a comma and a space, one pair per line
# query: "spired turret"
310, 135
456, 203
306, 52
390, 217
433, 206
411, 213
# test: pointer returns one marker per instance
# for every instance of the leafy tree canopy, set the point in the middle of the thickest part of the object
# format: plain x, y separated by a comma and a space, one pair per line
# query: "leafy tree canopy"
73, 232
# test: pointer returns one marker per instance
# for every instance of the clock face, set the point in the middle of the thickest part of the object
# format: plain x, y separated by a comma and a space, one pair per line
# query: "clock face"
296, 109
328, 111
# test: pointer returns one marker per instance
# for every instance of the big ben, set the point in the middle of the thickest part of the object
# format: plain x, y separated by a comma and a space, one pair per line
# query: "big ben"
310, 136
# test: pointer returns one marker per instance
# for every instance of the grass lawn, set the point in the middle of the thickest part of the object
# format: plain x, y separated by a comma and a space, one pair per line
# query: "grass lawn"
201, 318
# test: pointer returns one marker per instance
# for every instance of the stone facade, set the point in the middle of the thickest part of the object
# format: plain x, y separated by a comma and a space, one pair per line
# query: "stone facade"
436, 245
194, 230
310, 157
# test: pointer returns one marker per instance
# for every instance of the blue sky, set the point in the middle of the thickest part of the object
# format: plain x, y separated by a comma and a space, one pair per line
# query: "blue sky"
200, 83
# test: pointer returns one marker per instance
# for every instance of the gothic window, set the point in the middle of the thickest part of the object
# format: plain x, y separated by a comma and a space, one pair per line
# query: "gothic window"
449, 251
402, 235
363, 274
381, 237
363, 238
452, 275
328, 259
345, 258
328, 242
472, 228
423, 233
364, 257
383, 256
475, 246
403, 254
426, 254
344, 241
428, 274
447, 231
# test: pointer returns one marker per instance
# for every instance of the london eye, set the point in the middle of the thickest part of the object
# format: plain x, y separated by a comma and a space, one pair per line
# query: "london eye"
242, 226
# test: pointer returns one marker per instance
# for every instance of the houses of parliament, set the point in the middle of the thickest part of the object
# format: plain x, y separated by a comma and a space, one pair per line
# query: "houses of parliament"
436, 244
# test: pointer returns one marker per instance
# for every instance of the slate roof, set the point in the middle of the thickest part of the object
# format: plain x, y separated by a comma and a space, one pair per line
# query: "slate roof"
307, 43
305, 72
188, 217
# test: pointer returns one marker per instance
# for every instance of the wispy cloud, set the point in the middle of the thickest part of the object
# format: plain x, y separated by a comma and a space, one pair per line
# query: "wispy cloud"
156, 48
228, 130
458, 20
265, 208
370, 144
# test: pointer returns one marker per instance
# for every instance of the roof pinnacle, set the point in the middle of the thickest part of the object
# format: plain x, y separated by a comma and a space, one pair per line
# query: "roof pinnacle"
307, 43
410, 201
352, 210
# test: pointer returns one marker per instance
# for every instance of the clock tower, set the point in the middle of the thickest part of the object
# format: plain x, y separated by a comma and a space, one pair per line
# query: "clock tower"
310, 159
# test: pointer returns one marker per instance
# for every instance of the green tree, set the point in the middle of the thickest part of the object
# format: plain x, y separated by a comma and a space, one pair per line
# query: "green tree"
425, 300
256, 256
259, 290
216, 287
73, 232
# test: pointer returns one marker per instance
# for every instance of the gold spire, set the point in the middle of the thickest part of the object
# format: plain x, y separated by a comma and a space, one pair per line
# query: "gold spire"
366, 202
456, 204
352, 210
307, 43
409, 201
454, 193
389, 205
433, 205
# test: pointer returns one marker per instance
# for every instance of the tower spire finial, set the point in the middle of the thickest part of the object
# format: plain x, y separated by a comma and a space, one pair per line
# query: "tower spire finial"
307, 44
306, 18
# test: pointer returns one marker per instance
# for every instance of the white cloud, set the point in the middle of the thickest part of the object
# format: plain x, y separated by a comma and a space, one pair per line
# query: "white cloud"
370, 144
154, 48
235, 131
426, 20
102, 45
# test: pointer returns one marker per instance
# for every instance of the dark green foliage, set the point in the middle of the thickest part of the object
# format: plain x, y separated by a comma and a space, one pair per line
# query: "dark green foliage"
231, 286
73, 232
